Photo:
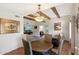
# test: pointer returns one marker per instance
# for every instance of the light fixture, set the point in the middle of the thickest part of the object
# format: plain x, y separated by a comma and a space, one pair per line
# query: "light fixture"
39, 18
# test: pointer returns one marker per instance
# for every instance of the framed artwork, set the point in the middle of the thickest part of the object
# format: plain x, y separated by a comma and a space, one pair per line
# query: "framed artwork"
35, 27
57, 26
9, 26
28, 28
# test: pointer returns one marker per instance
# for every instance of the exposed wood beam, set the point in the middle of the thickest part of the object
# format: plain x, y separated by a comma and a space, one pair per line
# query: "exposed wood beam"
42, 14
31, 15
30, 18
55, 11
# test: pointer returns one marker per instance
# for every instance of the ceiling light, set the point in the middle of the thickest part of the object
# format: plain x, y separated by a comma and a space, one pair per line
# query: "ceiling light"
39, 18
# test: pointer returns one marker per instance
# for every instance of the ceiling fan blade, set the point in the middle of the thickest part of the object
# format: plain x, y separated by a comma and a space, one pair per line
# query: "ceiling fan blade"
42, 14
31, 15
55, 11
30, 18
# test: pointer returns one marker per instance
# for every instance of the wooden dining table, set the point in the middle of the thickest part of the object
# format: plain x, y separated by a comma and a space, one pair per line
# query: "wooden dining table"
41, 45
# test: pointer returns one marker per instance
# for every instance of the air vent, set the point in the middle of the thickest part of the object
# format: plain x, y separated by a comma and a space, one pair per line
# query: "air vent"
17, 16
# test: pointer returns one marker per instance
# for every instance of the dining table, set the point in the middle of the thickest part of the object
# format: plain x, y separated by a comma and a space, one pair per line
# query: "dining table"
41, 45
38, 44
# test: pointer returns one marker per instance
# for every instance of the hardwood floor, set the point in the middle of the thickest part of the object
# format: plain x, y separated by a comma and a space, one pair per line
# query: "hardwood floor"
65, 50
19, 51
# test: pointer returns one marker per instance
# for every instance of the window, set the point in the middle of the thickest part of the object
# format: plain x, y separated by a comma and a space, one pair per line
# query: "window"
40, 28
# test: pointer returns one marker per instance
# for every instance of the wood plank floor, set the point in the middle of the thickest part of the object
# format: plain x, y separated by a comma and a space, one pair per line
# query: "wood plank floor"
20, 51
66, 50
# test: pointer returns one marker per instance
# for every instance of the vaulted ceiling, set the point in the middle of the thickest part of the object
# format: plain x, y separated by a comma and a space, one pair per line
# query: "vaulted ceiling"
52, 10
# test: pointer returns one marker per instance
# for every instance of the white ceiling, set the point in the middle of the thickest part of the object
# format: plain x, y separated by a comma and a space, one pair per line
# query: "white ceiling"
28, 8
63, 10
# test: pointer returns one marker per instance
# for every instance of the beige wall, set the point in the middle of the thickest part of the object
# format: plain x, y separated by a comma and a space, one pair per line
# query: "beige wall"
9, 42
64, 26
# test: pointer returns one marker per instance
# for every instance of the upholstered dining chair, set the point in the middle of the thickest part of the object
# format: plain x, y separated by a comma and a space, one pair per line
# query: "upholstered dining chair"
57, 50
26, 47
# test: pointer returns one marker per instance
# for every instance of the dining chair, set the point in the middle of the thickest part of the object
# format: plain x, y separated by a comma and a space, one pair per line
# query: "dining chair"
55, 42
57, 50
26, 47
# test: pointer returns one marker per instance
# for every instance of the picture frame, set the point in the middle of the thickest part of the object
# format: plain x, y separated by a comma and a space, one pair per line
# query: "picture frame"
9, 26
57, 26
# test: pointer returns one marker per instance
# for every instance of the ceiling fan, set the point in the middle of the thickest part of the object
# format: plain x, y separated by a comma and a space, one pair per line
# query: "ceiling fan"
40, 15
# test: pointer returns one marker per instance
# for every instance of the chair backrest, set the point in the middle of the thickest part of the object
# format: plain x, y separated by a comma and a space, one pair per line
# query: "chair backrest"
48, 38
26, 47
60, 46
55, 42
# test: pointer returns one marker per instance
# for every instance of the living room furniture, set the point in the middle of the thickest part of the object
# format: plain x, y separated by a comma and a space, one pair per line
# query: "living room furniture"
41, 45
26, 47
55, 42
38, 44
57, 46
